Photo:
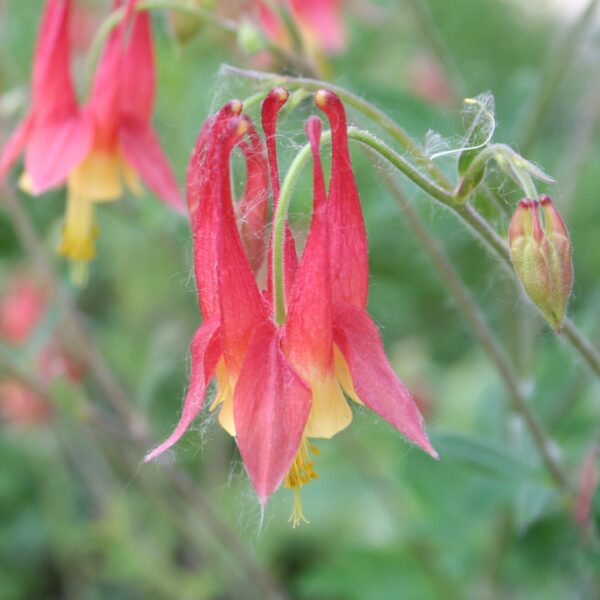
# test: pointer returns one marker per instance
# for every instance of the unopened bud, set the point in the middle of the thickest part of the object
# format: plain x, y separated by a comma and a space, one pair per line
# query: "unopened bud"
249, 37
540, 249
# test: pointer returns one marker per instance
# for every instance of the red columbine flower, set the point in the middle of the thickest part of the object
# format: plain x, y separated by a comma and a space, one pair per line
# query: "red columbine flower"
124, 148
55, 135
109, 141
281, 379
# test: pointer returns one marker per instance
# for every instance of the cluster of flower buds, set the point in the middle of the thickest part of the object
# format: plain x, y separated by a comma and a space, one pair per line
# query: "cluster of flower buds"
541, 254
288, 357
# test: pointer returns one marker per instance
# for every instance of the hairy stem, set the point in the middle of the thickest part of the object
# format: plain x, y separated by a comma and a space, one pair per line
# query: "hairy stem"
366, 108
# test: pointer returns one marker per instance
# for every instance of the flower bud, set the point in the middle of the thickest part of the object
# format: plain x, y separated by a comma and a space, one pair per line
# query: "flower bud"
249, 37
540, 249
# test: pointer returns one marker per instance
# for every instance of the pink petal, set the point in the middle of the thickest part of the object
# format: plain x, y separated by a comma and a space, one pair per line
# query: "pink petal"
307, 339
14, 146
138, 85
253, 209
106, 89
204, 207
348, 238
271, 23
324, 20
53, 95
142, 150
271, 406
374, 380
55, 149
272, 104
205, 350
240, 302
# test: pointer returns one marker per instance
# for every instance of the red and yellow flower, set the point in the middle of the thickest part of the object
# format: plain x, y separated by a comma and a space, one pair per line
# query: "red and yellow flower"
285, 379
97, 148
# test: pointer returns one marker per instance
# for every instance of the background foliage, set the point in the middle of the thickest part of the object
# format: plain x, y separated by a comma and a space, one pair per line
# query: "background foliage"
80, 518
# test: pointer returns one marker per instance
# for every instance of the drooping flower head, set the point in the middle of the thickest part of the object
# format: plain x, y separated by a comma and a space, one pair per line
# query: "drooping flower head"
55, 135
124, 148
287, 360
96, 148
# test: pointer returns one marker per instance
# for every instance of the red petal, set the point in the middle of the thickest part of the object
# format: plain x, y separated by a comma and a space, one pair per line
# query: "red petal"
253, 209
205, 350
142, 150
307, 340
53, 95
240, 302
54, 150
204, 208
374, 380
271, 23
105, 99
15, 145
272, 104
347, 239
138, 85
323, 19
271, 406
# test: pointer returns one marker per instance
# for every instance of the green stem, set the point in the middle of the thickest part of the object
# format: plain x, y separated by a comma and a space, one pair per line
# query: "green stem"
279, 220
507, 159
289, 184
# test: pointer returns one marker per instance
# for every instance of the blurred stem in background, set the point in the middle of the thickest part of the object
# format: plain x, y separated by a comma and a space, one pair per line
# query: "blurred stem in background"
559, 60
131, 424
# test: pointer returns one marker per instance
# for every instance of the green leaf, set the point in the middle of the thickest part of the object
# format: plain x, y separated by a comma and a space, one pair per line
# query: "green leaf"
483, 454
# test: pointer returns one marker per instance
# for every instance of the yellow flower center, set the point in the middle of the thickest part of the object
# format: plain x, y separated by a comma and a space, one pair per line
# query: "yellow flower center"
301, 473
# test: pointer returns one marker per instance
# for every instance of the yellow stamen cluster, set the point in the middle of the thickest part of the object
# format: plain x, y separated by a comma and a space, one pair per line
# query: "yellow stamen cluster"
301, 473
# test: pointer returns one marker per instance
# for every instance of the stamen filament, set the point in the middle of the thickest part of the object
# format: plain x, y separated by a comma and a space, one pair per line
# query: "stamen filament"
301, 472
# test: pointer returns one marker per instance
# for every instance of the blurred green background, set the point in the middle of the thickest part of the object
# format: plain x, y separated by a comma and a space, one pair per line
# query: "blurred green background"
81, 518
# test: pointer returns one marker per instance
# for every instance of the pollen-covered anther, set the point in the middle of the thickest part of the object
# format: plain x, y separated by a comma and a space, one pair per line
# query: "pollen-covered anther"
301, 473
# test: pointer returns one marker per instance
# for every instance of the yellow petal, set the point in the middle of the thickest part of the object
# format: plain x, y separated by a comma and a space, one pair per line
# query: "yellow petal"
132, 179
330, 412
79, 231
98, 177
342, 372
225, 397
25, 183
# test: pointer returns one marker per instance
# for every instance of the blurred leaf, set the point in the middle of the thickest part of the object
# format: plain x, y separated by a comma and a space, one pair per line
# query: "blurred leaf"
481, 454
